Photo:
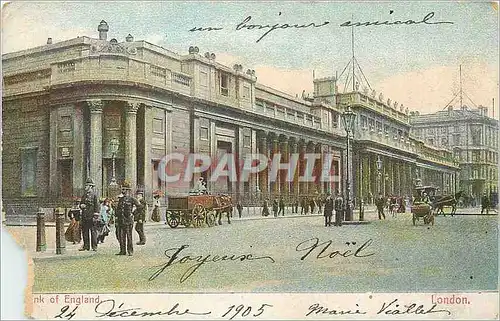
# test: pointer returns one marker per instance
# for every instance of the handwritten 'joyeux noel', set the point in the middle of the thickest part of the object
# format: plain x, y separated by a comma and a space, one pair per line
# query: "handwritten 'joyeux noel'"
175, 256
245, 25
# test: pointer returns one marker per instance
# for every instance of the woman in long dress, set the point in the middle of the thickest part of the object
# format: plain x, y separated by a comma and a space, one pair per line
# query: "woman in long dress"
155, 216
74, 233
103, 224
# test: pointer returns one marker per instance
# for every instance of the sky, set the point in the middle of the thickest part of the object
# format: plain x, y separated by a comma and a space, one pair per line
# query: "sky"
416, 65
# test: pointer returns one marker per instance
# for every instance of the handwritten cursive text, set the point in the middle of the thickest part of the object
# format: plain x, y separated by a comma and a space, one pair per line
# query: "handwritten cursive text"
200, 260
311, 244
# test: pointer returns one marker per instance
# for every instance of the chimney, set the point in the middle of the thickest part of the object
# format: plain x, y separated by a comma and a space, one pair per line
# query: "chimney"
450, 108
129, 38
49, 41
103, 30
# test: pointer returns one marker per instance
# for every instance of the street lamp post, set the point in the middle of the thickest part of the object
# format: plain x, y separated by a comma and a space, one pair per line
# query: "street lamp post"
379, 173
114, 144
348, 117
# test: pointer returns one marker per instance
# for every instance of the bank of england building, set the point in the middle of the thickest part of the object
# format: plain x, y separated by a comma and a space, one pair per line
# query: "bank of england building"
112, 109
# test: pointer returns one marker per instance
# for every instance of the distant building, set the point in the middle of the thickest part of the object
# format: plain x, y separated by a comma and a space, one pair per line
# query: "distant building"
473, 137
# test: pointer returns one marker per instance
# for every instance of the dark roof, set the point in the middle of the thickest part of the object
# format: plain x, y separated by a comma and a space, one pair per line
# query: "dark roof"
452, 115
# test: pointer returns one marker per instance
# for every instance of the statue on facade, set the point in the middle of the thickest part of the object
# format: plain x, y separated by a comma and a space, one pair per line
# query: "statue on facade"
365, 90
396, 104
381, 97
374, 93
389, 102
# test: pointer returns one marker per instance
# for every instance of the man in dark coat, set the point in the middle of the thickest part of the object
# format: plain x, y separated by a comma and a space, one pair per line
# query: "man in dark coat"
140, 218
339, 209
281, 207
90, 214
485, 203
328, 210
380, 204
125, 218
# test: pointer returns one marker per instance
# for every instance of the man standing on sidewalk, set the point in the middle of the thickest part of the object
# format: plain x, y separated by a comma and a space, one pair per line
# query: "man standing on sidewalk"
90, 212
339, 209
282, 207
140, 217
328, 211
380, 203
125, 218
485, 203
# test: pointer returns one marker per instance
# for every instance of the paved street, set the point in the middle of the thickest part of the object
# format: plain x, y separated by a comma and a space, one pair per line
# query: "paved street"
458, 253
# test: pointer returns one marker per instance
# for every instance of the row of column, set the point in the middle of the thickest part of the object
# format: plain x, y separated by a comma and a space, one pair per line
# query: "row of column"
272, 144
96, 144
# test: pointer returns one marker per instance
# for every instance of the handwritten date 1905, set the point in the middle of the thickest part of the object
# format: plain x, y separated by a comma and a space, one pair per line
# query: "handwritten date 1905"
244, 311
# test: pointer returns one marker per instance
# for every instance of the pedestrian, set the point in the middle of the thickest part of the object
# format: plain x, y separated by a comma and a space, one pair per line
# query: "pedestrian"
265, 208
303, 206
328, 210
485, 203
155, 216
89, 205
275, 207
296, 205
125, 219
117, 224
313, 205
74, 232
380, 203
339, 209
239, 208
140, 217
103, 223
320, 203
281, 207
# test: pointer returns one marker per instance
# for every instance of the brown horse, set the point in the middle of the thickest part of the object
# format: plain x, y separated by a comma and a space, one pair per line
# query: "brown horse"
449, 200
224, 204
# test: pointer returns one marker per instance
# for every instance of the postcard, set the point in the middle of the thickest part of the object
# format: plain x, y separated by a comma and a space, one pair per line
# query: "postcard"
250, 160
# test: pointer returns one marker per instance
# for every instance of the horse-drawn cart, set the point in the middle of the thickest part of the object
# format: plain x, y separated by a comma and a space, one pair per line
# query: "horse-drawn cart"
198, 210
422, 205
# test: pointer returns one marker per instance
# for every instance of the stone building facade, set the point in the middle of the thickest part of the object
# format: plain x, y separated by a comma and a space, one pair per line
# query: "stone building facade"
473, 138
64, 103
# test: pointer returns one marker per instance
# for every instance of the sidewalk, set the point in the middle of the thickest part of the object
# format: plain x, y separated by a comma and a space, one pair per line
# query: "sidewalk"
25, 234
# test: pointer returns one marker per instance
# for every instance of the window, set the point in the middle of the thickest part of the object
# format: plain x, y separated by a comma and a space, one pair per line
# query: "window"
364, 122
280, 112
203, 78
246, 91
335, 120
444, 141
28, 171
259, 107
290, 115
247, 141
204, 133
371, 124
444, 130
456, 139
379, 127
386, 130
224, 85
65, 128
158, 125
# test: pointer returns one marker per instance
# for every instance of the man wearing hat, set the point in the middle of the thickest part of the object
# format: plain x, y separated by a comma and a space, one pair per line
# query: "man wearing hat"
125, 219
140, 217
90, 213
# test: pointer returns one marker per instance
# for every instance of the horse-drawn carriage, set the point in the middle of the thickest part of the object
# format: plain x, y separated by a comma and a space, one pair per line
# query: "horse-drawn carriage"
198, 210
422, 205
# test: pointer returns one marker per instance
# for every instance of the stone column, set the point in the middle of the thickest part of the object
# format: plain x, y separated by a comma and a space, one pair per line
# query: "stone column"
54, 187
263, 175
302, 164
311, 186
131, 143
78, 151
295, 182
95, 173
284, 181
274, 151
317, 168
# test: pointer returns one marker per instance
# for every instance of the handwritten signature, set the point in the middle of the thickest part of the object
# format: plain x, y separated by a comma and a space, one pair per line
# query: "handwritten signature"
200, 260
246, 25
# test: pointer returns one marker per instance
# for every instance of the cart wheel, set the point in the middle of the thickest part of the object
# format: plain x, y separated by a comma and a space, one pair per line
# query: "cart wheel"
414, 219
211, 218
172, 219
198, 215
186, 219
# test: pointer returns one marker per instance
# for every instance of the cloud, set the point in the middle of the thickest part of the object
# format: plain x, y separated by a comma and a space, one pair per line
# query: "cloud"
291, 81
